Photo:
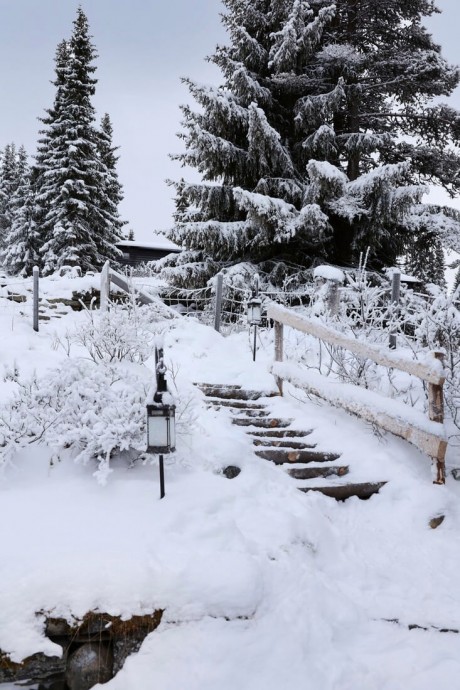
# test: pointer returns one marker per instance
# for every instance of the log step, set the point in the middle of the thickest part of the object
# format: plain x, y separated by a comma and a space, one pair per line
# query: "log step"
277, 443
344, 491
236, 404
238, 411
315, 472
262, 423
281, 457
204, 386
227, 393
280, 433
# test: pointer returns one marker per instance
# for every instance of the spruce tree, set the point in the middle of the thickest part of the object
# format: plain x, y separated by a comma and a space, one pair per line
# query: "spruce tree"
113, 192
78, 222
425, 259
320, 140
9, 180
21, 252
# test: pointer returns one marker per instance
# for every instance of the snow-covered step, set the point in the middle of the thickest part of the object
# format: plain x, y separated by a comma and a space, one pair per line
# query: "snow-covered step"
315, 472
235, 404
262, 423
341, 492
280, 443
282, 457
238, 411
233, 392
279, 433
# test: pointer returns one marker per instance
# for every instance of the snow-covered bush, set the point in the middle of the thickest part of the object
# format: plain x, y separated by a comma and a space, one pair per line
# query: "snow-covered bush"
421, 324
125, 332
92, 406
438, 328
92, 410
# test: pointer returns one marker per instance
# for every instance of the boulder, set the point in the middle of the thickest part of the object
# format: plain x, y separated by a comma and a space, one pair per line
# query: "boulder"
88, 665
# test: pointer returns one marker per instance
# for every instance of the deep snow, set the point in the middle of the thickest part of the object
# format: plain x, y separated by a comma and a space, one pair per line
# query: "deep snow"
263, 587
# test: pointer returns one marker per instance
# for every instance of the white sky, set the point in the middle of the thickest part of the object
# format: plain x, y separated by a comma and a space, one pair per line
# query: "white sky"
144, 48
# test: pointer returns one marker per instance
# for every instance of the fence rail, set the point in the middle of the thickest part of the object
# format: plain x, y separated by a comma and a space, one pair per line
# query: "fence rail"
427, 435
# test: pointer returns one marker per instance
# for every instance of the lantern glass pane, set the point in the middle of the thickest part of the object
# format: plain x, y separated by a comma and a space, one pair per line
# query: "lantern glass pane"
254, 314
172, 432
158, 431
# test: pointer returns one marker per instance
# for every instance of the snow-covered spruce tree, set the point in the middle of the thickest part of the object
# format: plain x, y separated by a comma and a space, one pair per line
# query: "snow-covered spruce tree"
21, 251
78, 221
113, 186
320, 140
425, 259
10, 174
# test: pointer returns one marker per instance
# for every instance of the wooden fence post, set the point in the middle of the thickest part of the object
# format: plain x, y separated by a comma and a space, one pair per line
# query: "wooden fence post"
219, 291
436, 414
36, 297
333, 297
395, 292
279, 351
105, 286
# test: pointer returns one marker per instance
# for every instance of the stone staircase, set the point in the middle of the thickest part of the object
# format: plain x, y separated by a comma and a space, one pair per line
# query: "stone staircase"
276, 440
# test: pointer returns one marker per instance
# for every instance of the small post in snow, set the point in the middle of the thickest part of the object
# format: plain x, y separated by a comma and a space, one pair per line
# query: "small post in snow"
333, 297
436, 414
219, 291
36, 297
279, 351
105, 286
395, 292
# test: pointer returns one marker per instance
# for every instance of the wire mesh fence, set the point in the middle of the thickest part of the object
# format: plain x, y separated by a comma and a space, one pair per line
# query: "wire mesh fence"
201, 303
14, 293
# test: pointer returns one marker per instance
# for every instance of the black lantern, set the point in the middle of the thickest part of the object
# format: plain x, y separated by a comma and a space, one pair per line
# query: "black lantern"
254, 311
161, 419
161, 428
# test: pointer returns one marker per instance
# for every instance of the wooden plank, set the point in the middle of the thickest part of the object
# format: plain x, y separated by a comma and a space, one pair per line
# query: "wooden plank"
430, 443
432, 374
121, 282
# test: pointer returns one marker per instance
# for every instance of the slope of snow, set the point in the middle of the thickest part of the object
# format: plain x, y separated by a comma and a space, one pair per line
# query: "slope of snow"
262, 586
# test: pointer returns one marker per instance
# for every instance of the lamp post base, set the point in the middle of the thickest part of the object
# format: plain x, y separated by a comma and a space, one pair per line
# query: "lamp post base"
162, 478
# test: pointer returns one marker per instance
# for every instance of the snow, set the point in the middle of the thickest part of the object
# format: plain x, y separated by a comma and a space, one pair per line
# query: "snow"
158, 242
262, 586
329, 273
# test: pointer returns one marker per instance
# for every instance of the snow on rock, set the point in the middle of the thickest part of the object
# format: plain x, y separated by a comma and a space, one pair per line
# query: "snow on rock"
329, 273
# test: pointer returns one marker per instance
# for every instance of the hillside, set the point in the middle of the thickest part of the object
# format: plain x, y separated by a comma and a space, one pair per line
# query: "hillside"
260, 584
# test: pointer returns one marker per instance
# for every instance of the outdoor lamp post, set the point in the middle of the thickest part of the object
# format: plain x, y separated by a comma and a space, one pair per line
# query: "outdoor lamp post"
255, 311
161, 419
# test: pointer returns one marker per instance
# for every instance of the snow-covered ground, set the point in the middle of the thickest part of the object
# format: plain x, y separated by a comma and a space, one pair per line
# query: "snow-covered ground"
263, 587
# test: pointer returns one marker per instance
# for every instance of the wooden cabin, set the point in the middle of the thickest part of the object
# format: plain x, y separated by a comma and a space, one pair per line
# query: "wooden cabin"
138, 252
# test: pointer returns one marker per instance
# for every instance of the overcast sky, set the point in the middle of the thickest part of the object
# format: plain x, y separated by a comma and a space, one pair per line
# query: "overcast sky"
144, 48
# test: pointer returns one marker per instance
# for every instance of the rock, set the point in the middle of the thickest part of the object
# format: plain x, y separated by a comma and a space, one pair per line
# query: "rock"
70, 271
89, 664
37, 666
456, 473
231, 471
436, 521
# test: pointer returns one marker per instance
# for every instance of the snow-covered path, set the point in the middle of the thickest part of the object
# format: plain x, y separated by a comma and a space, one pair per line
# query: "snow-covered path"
262, 586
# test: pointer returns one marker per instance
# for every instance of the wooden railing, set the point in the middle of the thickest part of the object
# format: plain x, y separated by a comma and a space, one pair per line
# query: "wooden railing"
426, 434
